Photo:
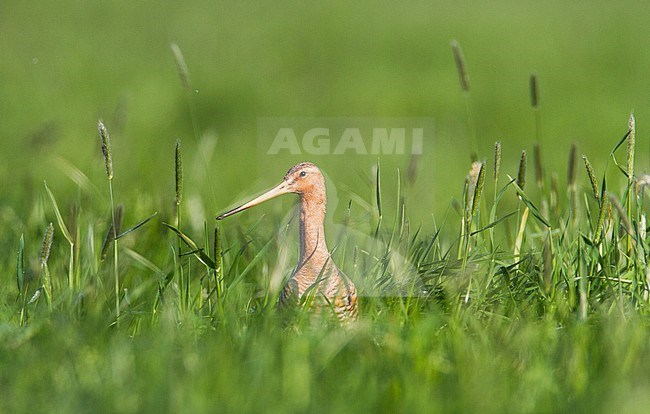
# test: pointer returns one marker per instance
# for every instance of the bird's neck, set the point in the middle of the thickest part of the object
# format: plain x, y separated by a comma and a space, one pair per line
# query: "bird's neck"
313, 247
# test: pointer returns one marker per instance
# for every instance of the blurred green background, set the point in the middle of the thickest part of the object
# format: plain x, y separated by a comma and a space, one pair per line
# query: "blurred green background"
66, 64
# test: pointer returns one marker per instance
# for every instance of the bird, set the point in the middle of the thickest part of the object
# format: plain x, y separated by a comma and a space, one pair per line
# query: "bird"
315, 269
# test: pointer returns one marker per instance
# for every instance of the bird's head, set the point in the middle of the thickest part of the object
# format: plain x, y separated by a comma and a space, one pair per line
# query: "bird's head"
304, 179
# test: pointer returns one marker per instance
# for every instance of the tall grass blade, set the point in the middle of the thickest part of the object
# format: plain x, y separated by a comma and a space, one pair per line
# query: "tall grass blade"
378, 189
20, 279
531, 206
72, 282
520, 236
59, 217
494, 223
218, 260
259, 256
194, 249
108, 163
547, 264
137, 226
143, 261
76, 176
601, 213
20, 265
625, 221
631, 143
114, 227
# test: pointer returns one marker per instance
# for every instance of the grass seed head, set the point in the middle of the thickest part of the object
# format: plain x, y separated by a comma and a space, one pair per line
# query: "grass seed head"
181, 67
592, 178
478, 188
106, 149
572, 169
642, 182
178, 158
412, 171
601, 215
534, 91
46, 246
460, 65
521, 174
497, 160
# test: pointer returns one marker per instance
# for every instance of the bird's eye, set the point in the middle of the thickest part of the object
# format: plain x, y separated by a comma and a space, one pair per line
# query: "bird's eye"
303, 173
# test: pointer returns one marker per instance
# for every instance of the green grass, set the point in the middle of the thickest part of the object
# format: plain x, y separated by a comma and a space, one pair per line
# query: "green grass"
477, 295
563, 327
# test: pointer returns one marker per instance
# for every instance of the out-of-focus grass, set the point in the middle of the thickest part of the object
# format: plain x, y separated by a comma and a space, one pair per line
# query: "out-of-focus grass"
504, 342
437, 364
65, 67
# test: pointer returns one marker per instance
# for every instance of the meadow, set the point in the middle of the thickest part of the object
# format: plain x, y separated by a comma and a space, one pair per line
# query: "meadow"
503, 269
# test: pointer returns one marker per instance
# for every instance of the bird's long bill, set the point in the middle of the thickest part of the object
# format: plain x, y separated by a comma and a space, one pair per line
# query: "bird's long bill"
280, 189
